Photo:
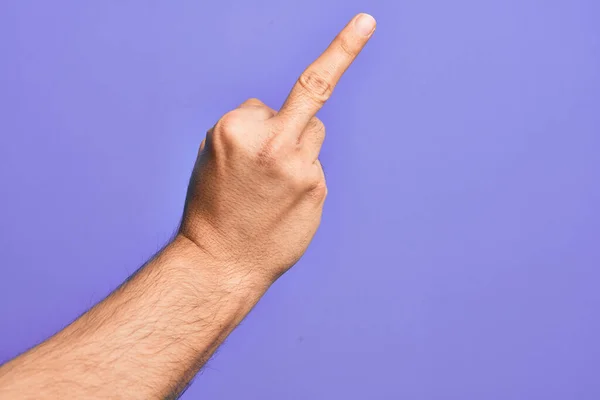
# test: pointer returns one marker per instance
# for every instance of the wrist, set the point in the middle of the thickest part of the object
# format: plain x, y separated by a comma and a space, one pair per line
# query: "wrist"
218, 272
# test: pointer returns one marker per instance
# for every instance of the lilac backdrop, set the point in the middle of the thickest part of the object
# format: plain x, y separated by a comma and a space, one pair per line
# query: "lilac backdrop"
458, 256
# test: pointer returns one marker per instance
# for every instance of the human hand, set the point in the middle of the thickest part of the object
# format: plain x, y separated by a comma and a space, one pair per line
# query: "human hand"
256, 194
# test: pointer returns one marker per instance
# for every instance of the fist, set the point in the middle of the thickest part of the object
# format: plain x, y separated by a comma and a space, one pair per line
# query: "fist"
256, 194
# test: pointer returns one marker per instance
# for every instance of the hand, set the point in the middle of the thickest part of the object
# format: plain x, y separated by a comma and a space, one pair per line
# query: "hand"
257, 190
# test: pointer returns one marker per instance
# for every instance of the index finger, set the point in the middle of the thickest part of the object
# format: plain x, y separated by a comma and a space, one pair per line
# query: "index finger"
315, 85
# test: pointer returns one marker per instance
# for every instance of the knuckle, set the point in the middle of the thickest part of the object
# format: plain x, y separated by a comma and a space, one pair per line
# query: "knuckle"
315, 132
231, 131
231, 124
295, 181
292, 172
318, 126
302, 182
346, 47
316, 86
253, 102
319, 190
263, 113
257, 109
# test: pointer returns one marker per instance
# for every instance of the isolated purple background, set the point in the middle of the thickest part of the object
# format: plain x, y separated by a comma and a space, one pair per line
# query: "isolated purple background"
458, 256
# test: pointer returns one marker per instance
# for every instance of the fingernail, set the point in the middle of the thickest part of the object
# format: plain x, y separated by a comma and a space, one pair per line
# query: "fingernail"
365, 24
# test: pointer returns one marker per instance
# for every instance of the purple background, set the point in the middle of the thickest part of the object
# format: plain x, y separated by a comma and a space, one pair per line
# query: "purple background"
458, 256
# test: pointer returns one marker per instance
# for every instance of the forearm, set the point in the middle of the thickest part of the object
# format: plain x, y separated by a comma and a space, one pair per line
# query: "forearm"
146, 340
254, 204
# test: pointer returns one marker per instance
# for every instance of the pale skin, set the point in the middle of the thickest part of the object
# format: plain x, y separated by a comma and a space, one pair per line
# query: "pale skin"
254, 204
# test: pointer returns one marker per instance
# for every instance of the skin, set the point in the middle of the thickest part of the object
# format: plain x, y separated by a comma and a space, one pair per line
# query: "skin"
254, 203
